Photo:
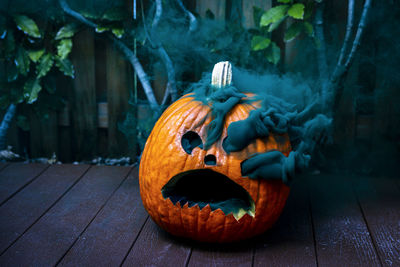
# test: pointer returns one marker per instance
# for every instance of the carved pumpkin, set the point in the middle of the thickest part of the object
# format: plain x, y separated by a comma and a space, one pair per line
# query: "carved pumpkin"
201, 194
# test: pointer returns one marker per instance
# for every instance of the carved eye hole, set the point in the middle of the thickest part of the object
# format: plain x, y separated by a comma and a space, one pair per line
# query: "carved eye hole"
190, 140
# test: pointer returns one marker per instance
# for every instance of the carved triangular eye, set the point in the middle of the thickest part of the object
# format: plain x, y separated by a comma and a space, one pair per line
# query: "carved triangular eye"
190, 140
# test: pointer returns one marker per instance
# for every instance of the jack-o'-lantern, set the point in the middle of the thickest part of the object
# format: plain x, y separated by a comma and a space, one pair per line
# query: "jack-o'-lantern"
199, 192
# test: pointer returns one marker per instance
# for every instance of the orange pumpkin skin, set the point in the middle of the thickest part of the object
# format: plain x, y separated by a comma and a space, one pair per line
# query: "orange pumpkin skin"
164, 157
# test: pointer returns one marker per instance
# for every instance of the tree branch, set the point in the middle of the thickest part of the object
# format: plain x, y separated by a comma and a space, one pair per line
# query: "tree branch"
349, 29
5, 125
139, 71
171, 85
158, 14
192, 18
321, 53
124, 49
359, 33
341, 70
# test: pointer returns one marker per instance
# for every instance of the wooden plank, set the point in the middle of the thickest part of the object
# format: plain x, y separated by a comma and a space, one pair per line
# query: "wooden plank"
3, 165
35, 141
51, 237
119, 83
248, 12
216, 7
65, 143
290, 242
235, 254
43, 135
26, 207
154, 247
49, 134
15, 176
84, 114
380, 202
109, 237
341, 234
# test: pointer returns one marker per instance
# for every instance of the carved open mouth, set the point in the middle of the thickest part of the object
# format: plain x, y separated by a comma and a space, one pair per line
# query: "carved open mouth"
206, 187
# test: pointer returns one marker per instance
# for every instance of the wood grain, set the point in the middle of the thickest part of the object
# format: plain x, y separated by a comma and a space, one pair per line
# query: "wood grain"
119, 83
3, 165
290, 242
236, 254
341, 234
21, 211
51, 237
154, 247
113, 230
15, 176
380, 201
83, 104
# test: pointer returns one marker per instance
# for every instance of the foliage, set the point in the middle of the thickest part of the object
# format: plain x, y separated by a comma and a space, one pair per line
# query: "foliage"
295, 13
28, 54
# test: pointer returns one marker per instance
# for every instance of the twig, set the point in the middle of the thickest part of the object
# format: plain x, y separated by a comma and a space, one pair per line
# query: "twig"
321, 52
349, 29
139, 71
124, 49
162, 53
165, 98
359, 33
158, 14
341, 70
192, 18
5, 125
64, 5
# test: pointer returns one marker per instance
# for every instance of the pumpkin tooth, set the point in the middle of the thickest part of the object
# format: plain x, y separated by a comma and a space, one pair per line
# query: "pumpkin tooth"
239, 214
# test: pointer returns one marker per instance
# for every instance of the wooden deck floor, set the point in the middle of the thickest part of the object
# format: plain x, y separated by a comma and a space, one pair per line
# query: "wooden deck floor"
79, 215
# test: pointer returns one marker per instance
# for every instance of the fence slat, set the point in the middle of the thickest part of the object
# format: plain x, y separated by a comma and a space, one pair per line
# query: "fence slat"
84, 96
216, 7
247, 7
119, 82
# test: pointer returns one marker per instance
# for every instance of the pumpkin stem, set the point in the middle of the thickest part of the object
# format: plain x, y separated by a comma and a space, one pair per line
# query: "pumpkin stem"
221, 75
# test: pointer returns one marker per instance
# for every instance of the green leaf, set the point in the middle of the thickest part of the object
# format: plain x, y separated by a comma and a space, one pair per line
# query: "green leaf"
276, 24
257, 13
12, 71
118, 32
309, 10
293, 31
66, 31
308, 28
32, 88
101, 29
9, 44
44, 66
259, 43
296, 11
284, 1
22, 61
23, 122
27, 25
273, 53
273, 15
35, 55
64, 48
90, 14
65, 66
115, 14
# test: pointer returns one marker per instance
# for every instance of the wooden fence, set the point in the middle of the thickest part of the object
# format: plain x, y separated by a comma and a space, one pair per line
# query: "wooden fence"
97, 99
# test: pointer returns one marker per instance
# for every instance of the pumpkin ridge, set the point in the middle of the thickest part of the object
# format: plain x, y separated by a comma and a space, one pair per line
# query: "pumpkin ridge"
184, 167
164, 158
